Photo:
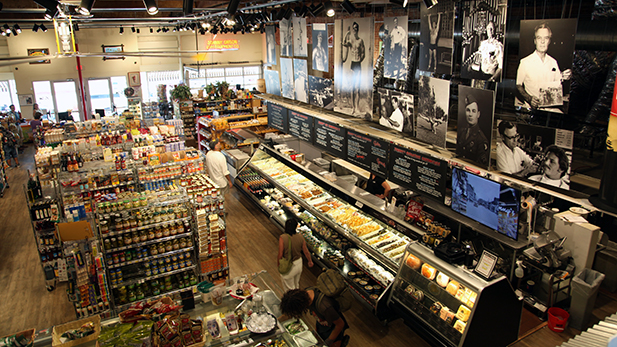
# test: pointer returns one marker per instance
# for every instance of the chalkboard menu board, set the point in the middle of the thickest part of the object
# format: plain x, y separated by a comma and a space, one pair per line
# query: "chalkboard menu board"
277, 117
331, 138
422, 173
301, 126
368, 152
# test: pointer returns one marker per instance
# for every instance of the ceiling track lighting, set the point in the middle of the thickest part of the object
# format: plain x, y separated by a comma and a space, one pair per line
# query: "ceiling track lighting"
17, 28
35, 28
43, 27
14, 32
330, 12
288, 13
429, 3
6, 28
317, 9
85, 7
348, 6
151, 7
121, 30
51, 8
281, 14
138, 30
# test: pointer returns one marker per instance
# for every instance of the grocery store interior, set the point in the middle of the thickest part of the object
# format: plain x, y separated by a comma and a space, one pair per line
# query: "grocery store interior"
454, 173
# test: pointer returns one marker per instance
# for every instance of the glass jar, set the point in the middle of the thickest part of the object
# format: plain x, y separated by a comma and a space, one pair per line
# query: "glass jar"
151, 234
166, 231
143, 236
154, 250
143, 201
133, 222
158, 232
136, 237
161, 248
169, 246
182, 243
104, 227
139, 293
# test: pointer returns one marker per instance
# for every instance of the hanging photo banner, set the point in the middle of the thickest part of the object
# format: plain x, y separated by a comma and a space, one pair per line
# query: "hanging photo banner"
437, 37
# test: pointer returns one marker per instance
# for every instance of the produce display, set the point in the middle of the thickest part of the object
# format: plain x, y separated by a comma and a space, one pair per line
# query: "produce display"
126, 334
74, 334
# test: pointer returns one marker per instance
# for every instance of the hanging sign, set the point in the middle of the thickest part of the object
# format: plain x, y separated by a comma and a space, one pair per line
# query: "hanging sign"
217, 45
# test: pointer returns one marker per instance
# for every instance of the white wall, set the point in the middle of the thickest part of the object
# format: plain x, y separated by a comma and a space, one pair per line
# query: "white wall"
91, 40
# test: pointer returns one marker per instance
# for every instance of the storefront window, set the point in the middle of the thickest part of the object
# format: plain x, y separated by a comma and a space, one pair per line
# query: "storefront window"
8, 96
44, 97
118, 84
152, 79
66, 98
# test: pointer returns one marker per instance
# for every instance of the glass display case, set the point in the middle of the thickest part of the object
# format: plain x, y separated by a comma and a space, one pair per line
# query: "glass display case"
452, 306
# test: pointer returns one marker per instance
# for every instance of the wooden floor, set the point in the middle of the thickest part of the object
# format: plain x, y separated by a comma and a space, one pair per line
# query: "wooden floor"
252, 242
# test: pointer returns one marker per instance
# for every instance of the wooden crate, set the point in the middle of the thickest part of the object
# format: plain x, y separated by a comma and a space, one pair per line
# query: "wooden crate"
28, 334
61, 329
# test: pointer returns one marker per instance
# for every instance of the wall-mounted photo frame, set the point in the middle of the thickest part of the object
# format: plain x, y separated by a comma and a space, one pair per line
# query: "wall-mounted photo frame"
111, 49
26, 99
134, 79
36, 52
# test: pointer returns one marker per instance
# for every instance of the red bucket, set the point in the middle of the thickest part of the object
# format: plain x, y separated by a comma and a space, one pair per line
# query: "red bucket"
557, 319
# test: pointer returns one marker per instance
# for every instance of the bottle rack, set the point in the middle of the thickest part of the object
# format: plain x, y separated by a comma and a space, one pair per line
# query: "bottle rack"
184, 110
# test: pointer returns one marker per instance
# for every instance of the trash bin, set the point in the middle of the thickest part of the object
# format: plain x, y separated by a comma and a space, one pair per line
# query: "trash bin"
606, 263
585, 287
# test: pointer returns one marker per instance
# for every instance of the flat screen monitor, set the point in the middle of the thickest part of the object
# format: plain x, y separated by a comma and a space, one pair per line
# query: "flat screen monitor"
64, 116
488, 202
100, 111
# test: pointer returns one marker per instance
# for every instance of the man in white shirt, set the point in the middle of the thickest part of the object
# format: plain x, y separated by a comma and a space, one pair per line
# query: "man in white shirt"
554, 168
538, 78
397, 37
510, 158
217, 167
396, 119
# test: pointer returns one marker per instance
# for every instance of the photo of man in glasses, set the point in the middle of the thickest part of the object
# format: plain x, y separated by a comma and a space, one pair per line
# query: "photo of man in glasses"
511, 159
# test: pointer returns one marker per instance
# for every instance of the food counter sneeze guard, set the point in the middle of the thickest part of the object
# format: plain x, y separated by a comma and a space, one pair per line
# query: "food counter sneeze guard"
372, 236
451, 304
270, 294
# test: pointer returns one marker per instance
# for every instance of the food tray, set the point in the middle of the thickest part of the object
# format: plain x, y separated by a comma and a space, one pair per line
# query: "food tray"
361, 230
396, 252
305, 339
298, 321
58, 330
256, 328
372, 242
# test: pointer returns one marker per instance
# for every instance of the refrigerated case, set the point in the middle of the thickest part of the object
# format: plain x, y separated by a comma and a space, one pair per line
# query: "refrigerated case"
450, 305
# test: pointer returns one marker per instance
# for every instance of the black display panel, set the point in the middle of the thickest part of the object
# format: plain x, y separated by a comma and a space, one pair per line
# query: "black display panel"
368, 152
331, 138
277, 117
300, 125
419, 172
488, 202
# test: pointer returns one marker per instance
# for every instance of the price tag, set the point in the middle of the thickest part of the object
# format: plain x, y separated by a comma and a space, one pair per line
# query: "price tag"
359, 204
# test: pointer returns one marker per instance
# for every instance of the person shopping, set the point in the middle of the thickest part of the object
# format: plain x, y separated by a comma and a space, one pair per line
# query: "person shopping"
291, 280
9, 144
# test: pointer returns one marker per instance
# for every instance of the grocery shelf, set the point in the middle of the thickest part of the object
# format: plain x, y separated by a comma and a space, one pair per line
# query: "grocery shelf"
80, 191
149, 242
152, 257
143, 227
123, 307
150, 204
154, 277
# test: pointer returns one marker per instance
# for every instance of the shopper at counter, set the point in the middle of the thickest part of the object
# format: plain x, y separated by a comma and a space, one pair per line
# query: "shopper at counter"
331, 324
378, 186
291, 280
217, 167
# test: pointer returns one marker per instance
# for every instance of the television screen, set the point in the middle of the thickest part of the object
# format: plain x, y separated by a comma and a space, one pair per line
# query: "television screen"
488, 202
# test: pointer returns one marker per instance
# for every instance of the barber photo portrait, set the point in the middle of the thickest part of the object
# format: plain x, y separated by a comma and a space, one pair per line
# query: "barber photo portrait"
555, 168
511, 159
544, 72
475, 123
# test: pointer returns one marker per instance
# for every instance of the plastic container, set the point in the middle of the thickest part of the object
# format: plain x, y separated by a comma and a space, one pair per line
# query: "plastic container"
557, 319
585, 288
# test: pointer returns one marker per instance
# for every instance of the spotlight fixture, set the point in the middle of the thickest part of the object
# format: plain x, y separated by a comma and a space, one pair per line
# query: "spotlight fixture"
151, 7
138, 30
273, 15
43, 27
51, 7
330, 12
3, 33
348, 6
133, 29
205, 25
14, 32
49, 14
233, 6
202, 31
121, 30
35, 28
85, 7
301, 11
288, 13
430, 3
151, 30
17, 28
6, 28
281, 14
158, 30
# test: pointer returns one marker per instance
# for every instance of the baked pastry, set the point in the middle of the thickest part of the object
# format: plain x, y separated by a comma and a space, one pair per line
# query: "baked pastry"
452, 287
443, 279
428, 271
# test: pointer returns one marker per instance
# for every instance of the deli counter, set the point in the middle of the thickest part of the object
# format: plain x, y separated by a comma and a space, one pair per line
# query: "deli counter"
349, 230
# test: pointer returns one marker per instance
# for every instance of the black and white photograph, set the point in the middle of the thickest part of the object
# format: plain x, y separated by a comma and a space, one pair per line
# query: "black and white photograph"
270, 45
273, 85
395, 47
475, 125
287, 78
320, 47
432, 114
353, 66
321, 93
299, 36
484, 27
286, 38
300, 80
437, 37
527, 151
546, 50
395, 110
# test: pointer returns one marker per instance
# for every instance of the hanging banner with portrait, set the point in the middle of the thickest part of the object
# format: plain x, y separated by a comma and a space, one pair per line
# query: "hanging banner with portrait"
475, 125
320, 47
437, 37
395, 47
432, 115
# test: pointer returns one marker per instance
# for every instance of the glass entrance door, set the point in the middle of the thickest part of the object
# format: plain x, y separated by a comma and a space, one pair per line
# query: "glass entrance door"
100, 96
65, 94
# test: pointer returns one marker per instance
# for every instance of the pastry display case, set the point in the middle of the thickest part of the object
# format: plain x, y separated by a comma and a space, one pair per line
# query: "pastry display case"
452, 306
